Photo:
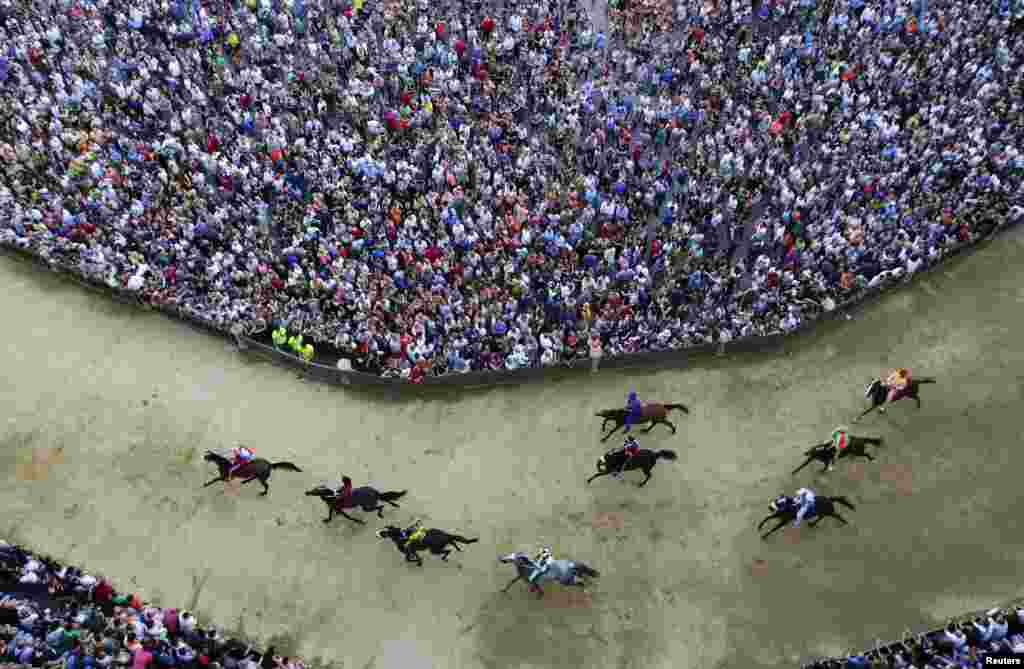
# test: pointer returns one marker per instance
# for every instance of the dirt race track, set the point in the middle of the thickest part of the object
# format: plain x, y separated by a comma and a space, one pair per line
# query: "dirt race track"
133, 399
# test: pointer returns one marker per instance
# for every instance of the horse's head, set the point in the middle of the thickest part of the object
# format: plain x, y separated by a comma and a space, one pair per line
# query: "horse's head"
212, 456
389, 532
513, 558
781, 504
322, 491
602, 463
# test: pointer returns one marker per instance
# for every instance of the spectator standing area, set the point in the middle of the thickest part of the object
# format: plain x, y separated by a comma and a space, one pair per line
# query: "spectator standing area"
132, 399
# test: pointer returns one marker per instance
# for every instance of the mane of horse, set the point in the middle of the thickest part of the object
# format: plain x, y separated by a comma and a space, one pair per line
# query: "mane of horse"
612, 413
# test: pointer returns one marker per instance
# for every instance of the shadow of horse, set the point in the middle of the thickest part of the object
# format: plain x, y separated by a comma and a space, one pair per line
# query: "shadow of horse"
366, 498
436, 541
645, 459
878, 393
566, 572
257, 468
828, 454
650, 412
785, 509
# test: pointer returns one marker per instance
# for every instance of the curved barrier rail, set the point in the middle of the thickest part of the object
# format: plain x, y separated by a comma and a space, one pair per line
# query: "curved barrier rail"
670, 358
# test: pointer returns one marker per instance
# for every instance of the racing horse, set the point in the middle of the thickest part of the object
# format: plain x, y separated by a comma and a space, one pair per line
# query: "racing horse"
366, 498
828, 454
645, 459
257, 468
566, 572
785, 509
436, 541
878, 393
650, 412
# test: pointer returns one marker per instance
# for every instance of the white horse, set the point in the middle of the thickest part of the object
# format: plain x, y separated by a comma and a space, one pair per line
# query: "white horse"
566, 572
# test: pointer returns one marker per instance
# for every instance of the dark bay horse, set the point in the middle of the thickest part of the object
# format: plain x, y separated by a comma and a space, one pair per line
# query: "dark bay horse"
436, 541
645, 459
828, 454
785, 509
650, 412
878, 393
257, 468
366, 498
566, 572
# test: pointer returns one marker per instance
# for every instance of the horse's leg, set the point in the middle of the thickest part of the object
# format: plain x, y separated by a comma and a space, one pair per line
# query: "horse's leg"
670, 424
867, 411
647, 477
814, 522
248, 480
511, 583
379, 510
806, 462
597, 475
210, 483
330, 513
354, 520
775, 529
616, 429
266, 488
651, 426
918, 400
761, 524
444, 555
839, 518
868, 456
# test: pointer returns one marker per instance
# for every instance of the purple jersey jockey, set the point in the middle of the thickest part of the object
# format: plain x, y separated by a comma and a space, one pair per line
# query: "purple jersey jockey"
634, 410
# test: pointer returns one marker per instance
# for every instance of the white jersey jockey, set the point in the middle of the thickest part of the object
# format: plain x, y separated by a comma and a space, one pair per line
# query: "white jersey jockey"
805, 498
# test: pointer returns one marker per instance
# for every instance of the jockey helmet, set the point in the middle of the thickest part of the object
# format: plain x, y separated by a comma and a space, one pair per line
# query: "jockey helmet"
632, 396
545, 553
868, 388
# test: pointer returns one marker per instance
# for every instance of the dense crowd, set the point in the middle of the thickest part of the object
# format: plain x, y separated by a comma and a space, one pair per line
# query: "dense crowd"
962, 644
58, 616
439, 186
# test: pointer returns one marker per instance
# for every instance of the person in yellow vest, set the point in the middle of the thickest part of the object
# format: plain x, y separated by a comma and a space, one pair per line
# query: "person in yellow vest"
307, 353
296, 344
280, 336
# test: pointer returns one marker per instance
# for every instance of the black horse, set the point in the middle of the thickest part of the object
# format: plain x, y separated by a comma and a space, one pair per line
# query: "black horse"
878, 393
650, 412
645, 459
436, 541
828, 454
785, 509
366, 498
257, 468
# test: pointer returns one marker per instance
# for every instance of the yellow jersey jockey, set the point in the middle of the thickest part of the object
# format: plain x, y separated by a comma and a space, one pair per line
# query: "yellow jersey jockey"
897, 382
243, 455
414, 532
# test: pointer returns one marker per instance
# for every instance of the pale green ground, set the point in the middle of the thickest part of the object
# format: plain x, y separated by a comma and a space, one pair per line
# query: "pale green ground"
679, 586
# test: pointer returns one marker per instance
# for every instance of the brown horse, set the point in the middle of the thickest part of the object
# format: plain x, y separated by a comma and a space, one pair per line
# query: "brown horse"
650, 412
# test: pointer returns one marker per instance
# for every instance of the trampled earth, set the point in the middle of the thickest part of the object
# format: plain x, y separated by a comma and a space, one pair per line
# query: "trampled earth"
116, 406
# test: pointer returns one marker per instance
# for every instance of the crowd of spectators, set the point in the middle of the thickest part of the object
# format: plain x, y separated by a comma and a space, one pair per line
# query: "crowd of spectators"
58, 616
439, 186
962, 644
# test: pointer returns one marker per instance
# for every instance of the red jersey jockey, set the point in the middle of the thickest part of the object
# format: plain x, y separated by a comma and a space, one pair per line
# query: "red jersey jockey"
634, 410
629, 448
345, 491
243, 455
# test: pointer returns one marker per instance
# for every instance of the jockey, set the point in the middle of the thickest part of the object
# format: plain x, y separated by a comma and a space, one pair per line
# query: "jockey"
805, 498
897, 382
542, 562
634, 408
629, 448
346, 488
840, 438
243, 455
414, 532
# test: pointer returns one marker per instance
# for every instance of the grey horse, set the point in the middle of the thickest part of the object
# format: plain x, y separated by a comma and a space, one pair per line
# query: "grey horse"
566, 572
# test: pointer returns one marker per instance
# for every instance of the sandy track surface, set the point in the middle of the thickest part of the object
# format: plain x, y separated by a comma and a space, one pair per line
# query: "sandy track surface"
133, 398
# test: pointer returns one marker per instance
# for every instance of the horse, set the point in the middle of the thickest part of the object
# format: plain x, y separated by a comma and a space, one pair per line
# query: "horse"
366, 498
878, 393
257, 468
650, 412
785, 508
436, 541
645, 459
566, 572
828, 454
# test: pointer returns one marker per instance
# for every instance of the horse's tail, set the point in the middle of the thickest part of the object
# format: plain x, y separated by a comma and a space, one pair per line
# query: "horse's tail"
845, 502
585, 570
456, 539
926, 379
392, 496
681, 407
667, 454
285, 465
